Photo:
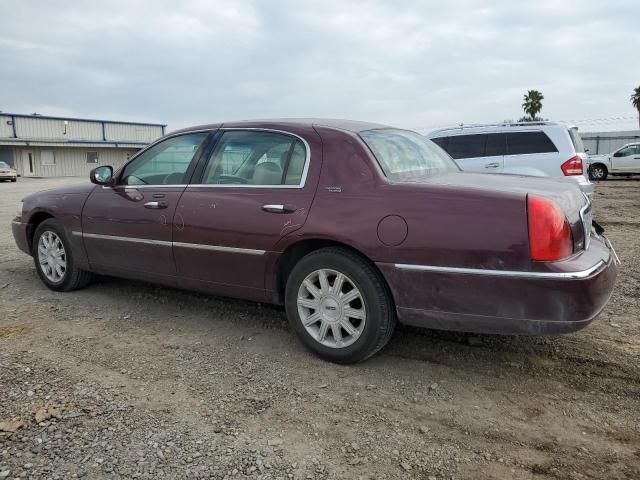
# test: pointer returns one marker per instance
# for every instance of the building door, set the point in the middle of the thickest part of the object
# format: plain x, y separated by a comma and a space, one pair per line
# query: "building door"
28, 163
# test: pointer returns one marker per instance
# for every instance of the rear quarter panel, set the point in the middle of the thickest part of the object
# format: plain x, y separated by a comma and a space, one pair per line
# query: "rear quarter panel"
445, 225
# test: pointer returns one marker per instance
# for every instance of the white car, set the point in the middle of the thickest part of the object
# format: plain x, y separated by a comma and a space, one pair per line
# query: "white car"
548, 149
624, 161
7, 173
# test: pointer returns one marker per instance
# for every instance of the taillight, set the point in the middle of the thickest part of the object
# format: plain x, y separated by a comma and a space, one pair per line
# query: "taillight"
549, 232
573, 166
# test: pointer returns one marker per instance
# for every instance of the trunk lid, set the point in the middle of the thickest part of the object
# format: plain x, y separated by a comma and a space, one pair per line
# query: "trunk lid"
564, 192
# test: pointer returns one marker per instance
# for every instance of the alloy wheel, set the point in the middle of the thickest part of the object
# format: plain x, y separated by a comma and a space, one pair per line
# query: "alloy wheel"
597, 173
331, 308
52, 256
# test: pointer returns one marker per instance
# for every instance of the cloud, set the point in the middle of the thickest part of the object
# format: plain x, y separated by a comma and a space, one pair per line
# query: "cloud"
407, 63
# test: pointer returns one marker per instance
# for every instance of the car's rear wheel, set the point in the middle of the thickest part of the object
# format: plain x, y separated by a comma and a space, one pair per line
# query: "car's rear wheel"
339, 305
598, 172
54, 259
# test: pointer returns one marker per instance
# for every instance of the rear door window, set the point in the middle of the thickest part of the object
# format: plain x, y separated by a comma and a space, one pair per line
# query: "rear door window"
466, 146
256, 158
525, 143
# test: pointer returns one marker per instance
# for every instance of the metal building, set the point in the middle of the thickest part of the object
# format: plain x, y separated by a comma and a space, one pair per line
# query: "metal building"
44, 146
607, 142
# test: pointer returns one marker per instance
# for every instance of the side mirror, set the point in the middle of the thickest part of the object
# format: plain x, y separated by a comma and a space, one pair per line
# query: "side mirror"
586, 150
617, 154
102, 175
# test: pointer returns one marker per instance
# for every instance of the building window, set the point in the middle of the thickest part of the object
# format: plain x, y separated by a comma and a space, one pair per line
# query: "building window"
92, 157
47, 157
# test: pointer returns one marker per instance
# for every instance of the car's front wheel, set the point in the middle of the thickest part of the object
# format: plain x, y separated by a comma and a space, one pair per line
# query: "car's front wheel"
339, 305
54, 259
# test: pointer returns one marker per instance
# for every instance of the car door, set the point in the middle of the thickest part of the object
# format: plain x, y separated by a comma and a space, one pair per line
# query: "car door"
256, 186
627, 159
127, 228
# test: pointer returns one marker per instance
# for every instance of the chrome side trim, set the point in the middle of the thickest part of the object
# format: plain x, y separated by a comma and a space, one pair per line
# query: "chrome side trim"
160, 243
505, 273
218, 248
138, 187
163, 243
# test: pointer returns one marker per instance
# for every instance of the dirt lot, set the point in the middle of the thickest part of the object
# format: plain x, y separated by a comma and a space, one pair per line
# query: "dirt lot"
130, 380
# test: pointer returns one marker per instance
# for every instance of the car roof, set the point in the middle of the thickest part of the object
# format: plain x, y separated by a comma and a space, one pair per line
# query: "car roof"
497, 127
287, 123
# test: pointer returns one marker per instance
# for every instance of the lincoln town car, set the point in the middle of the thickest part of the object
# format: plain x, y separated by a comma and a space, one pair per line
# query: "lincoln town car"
351, 226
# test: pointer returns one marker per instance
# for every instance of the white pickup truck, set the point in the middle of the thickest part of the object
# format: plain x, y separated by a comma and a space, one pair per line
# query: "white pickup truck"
624, 161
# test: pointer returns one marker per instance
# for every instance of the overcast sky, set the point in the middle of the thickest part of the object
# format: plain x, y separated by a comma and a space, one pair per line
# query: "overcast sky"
413, 63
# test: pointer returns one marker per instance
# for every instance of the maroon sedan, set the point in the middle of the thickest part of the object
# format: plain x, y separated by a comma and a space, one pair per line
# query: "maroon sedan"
350, 225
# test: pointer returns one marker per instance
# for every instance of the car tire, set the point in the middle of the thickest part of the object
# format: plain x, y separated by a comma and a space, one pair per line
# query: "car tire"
14, 179
598, 172
344, 324
54, 261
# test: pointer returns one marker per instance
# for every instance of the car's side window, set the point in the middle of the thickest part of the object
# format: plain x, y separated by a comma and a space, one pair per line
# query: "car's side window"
525, 143
625, 152
257, 158
165, 163
496, 145
467, 146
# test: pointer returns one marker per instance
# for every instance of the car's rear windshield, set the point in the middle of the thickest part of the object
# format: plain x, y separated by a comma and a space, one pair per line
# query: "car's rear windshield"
403, 153
4, 165
576, 139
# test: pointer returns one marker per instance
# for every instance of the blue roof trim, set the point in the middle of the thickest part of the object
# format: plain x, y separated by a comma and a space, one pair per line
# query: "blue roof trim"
64, 142
48, 117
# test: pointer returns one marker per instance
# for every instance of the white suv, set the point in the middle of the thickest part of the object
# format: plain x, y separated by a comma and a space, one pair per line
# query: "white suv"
547, 149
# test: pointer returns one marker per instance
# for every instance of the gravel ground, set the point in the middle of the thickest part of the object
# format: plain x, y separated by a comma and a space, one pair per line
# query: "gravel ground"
129, 380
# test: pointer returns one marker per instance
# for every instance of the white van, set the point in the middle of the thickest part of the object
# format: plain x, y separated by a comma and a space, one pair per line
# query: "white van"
549, 149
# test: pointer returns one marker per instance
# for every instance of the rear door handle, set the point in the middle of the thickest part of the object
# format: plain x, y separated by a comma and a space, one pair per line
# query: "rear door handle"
156, 205
492, 165
278, 208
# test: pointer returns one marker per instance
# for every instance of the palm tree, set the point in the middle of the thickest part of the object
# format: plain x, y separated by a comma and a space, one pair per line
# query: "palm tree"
635, 101
532, 104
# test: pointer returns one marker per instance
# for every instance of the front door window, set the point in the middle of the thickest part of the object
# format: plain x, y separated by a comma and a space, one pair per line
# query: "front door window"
165, 163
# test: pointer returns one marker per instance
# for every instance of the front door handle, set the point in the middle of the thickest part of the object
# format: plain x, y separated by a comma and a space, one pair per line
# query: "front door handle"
156, 205
492, 165
278, 208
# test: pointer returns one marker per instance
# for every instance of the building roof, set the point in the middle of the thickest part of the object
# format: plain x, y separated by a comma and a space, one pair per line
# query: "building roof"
76, 119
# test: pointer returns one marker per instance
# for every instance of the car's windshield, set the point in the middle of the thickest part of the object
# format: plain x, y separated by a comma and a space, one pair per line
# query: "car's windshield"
4, 165
403, 153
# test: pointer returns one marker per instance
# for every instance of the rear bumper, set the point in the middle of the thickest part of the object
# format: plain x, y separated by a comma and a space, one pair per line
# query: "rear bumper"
561, 300
19, 231
584, 184
8, 176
